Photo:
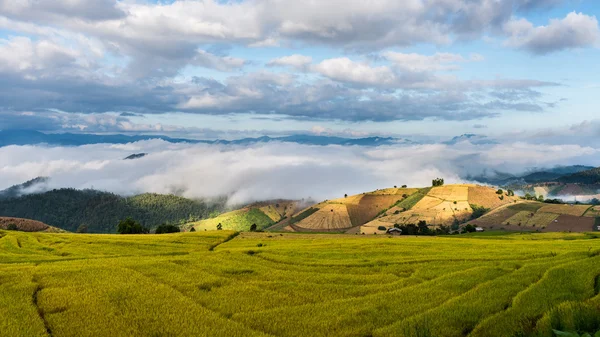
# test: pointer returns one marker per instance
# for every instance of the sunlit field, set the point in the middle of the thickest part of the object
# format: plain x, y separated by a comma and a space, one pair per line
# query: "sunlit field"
270, 284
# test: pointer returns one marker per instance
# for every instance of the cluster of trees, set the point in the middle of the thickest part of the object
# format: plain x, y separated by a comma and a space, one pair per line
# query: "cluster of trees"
437, 182
98, 212
422, 229
130, 226
533, 197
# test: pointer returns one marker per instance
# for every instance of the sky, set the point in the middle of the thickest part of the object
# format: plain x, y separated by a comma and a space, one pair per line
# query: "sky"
521, 69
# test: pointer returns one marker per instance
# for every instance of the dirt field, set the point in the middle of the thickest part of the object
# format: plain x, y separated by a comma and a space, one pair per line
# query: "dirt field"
328, 217
494, 219
450, 192
570, 223
537, 220
576, 210
24, 225
593, 212
487, 197
541, 190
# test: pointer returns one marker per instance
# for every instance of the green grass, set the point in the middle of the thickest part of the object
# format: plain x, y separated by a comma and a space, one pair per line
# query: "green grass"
303, 215
413, 199
239, 220
217, 283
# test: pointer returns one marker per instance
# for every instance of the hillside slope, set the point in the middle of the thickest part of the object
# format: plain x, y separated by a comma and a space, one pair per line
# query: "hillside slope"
588, 177
540, 217
263, 214
101, 211
26, 225
343, 214
443, 205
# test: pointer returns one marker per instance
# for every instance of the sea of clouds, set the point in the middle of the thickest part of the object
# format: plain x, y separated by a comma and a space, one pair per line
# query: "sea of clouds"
272, 170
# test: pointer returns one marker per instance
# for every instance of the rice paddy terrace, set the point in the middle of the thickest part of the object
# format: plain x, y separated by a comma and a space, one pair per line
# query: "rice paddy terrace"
285, 284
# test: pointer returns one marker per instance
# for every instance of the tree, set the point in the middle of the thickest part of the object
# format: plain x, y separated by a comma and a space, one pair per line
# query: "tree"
345, 195
511, 193
423, 229
469, 229
253, 227
130, 226
404, 186
395, 186
437, 182
164, 229
12, 227
83, 228
193, 229
219, 227
541, 198
499, 191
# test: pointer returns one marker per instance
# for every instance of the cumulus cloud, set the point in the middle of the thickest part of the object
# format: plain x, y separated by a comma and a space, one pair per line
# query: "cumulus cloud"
295, 61
102, 56
576, 30
272, 170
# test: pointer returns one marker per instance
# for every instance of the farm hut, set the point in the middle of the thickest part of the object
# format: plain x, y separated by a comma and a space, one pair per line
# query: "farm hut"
479, 229
394, 231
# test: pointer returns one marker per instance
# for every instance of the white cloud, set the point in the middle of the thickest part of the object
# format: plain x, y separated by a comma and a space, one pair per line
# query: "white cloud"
345, 70
299, 62
576, 30
272, 170
419, 63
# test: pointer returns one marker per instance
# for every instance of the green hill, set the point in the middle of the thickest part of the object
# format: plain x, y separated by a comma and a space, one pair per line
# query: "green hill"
263, 214
101, 211
585, 177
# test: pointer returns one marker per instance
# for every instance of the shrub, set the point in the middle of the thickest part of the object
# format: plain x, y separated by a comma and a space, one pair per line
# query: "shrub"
253, 227
193, 229
130, 226
164, 229
12, 227
382, 228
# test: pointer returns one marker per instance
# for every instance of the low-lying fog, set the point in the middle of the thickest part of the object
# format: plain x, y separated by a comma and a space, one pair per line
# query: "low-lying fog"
272, 170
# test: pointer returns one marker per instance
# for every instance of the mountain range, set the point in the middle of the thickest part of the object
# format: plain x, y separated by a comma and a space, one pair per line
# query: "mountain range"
29, 137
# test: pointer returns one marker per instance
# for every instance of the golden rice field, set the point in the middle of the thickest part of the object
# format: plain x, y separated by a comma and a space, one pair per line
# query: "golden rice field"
268, 284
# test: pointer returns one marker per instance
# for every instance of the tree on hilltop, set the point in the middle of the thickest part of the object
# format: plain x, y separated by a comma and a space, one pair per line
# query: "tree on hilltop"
437, 182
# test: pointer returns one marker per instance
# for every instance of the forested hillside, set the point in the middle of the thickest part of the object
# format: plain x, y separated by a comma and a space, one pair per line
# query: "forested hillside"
585, 177
101, 211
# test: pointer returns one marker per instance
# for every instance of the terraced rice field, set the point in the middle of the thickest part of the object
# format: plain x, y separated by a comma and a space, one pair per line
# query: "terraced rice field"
351, 211
260, 284
483, 196
575, 210
539, 220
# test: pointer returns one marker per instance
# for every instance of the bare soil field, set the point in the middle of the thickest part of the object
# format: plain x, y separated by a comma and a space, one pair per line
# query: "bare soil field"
24, 225
570, 223
576, 210
487, 197
328, 217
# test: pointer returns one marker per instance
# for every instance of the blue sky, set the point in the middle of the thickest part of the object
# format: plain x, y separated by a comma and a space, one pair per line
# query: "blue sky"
522, 69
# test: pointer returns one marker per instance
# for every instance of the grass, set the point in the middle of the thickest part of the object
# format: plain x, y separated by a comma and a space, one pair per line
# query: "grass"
413, 199
239, 220
218, 283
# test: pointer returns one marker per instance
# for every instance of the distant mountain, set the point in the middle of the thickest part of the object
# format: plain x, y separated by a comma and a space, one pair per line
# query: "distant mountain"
135, 156
588, 177
28, 137
100, 212
471, 138
534, 176
25, 188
